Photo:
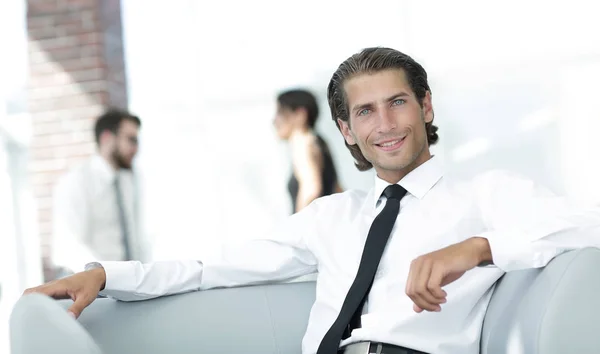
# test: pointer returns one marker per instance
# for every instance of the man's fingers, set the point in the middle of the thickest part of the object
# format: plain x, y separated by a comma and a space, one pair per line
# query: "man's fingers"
420, 291
81, 301
57, 291
60, 291
417, 289
410, 282
434, 284
54, 290
427, 301
82, 288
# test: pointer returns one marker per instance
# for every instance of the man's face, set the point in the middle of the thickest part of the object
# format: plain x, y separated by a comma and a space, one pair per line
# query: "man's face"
387, 122
126, 144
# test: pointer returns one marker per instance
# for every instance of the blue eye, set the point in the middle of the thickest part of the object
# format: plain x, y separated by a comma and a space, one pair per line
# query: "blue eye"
364, 112
398, 102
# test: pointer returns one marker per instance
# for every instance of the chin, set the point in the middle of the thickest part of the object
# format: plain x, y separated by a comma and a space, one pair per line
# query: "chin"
126, 165
397, 164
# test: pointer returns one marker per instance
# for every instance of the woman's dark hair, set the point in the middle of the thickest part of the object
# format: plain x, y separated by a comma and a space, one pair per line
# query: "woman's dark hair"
296, 99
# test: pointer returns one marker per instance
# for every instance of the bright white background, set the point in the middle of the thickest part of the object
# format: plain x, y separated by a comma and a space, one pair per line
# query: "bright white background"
20, 262
515, 85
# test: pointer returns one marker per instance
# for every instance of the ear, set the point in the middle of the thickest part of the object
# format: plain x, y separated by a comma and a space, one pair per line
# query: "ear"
345, 129
427, 108
301, 113
106, 137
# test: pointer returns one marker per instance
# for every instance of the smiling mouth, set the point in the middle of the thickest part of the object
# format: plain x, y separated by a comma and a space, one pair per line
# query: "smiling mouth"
391, 144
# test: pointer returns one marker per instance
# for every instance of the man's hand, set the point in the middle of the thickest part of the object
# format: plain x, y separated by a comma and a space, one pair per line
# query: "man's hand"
430, 272
82, 288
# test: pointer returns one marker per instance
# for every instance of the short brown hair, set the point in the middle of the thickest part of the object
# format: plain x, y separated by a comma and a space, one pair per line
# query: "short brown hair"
111, 120
372, 60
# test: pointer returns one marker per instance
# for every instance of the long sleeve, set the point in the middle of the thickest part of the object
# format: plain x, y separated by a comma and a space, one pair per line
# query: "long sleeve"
133, 280
282, 256
70, 225
528, 225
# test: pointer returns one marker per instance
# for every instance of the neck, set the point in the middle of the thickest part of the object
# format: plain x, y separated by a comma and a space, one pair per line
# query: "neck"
107, 156
300, 134
395, 176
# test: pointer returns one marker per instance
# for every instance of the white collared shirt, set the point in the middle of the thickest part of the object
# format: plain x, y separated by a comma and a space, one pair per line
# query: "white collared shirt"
526, 227
85, 219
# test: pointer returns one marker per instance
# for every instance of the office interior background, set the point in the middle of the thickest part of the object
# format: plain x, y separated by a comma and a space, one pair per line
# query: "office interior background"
514, 83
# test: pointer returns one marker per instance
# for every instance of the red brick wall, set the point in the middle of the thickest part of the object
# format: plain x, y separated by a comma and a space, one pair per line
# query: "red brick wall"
76, 69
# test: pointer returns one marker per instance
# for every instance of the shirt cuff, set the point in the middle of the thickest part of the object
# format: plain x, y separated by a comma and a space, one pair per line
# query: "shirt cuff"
120, 276
512, 250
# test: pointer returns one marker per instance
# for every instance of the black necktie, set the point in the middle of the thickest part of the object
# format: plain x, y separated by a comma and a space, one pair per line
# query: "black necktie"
372, 252
123, 221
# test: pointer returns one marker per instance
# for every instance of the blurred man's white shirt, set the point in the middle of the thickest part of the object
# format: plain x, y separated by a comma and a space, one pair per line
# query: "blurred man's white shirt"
86, 226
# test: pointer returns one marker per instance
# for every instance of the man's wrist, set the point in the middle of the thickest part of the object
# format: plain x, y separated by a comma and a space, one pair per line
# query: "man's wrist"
98, 270
483, 251
93, 265
101, 276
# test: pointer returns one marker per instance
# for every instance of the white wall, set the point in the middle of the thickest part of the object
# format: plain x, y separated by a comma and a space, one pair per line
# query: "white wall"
513, 85
205, 84
20, 260
8, 276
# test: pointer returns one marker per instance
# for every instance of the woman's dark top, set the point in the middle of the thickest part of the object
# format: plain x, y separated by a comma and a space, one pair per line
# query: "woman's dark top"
328, 175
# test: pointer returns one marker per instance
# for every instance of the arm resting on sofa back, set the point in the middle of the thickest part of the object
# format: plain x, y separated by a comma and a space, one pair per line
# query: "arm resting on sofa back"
540, 311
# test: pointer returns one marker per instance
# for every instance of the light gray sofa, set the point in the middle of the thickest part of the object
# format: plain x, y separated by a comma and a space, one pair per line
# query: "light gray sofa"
549, 311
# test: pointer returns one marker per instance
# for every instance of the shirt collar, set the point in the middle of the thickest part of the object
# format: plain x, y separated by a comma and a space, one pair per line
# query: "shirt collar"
417, 182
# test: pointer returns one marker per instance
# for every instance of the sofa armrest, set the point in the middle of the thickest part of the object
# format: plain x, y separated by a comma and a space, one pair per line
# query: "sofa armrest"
39, 325
547, 311
265, 319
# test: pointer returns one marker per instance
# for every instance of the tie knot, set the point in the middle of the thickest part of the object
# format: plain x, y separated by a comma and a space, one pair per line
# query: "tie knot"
395, 191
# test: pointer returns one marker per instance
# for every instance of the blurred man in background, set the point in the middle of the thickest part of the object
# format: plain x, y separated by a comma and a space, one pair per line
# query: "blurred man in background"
95, 213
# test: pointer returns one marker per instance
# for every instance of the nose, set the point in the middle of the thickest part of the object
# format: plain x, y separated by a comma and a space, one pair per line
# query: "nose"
387, 121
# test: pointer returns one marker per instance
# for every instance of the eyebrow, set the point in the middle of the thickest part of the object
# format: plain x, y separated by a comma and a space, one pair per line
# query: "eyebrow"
362, 106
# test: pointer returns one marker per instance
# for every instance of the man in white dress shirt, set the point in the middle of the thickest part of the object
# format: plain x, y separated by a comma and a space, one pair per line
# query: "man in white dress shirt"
450, 241
95, 212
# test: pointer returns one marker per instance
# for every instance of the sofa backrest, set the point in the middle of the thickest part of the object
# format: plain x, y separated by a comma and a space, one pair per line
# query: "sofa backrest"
548, 311
258, 319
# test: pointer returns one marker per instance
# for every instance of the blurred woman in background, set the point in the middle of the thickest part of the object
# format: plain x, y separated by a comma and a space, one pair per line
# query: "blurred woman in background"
313, 171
